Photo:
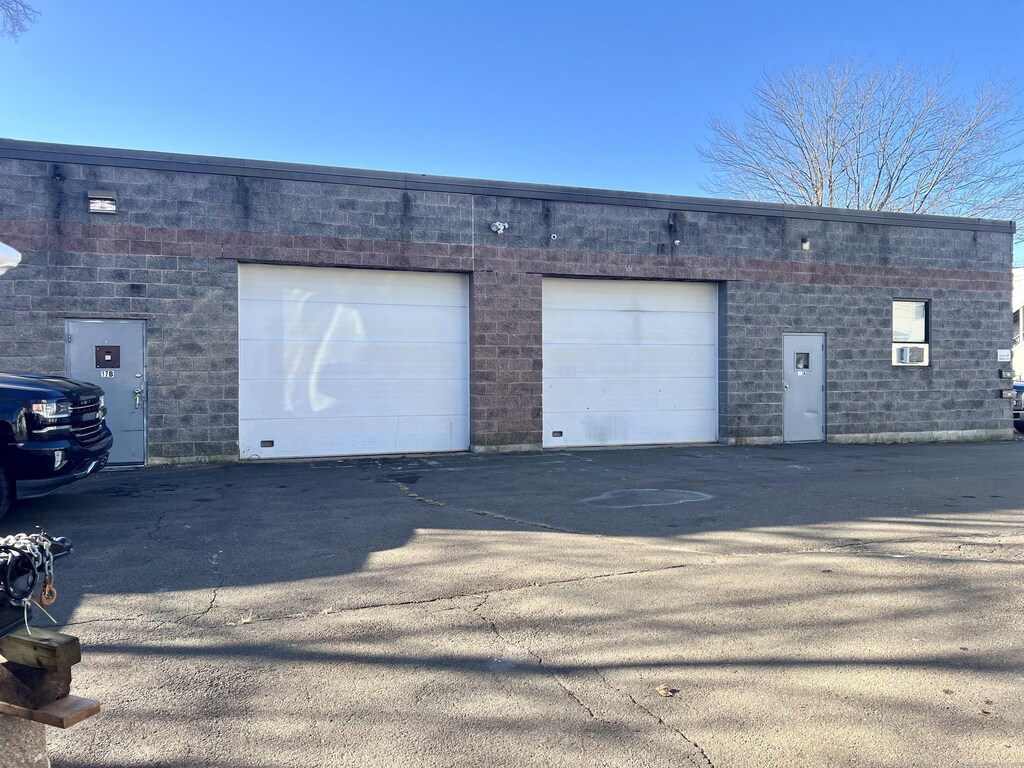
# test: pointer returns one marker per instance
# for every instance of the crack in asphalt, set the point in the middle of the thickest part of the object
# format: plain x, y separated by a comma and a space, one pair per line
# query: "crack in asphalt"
475, 612
415, 496
404, 488
530, 523
992, 543
431, 600
213, 601
215, 562
119, 619
1014, 531
698, 756
498, 516
935, 556
157, 526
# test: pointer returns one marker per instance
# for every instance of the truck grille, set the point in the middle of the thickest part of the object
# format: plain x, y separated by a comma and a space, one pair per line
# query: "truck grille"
86, 425
90, 434
84, 405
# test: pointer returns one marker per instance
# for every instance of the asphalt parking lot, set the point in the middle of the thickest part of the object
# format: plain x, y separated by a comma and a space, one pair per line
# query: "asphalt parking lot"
812, 605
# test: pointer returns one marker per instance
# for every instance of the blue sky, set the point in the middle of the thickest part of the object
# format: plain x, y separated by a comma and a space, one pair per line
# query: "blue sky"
596, 94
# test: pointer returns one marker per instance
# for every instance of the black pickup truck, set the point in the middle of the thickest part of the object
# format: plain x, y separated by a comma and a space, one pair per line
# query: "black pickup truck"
52, 432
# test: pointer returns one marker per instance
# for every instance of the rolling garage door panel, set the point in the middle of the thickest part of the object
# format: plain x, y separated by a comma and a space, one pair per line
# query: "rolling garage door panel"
635, 428
340, 398
592, 326
368, 286
615, 295
362, 436
336, 362
346, 321
272, 360
584, 360
629, 394
629, 362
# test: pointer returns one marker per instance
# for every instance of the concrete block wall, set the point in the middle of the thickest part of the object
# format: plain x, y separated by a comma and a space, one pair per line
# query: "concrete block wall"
505, 358
959, 390
189, 303
170, 256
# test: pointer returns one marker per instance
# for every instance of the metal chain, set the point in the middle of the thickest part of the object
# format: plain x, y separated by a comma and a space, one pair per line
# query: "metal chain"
20, 554
24, 557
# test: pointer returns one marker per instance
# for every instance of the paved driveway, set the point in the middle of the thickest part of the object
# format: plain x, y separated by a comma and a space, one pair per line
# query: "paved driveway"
805, 605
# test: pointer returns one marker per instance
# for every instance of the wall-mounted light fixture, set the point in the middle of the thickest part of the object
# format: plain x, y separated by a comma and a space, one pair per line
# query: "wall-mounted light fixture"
9, 258
805, 244
102, 202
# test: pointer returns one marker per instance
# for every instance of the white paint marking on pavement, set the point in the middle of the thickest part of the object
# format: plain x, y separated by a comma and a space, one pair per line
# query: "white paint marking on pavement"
645, 497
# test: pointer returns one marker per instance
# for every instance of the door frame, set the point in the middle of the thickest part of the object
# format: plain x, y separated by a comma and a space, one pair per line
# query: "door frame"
824, 383
145, 370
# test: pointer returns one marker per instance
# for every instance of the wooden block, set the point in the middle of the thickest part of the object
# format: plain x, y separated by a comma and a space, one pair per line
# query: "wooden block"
43, 649
13, 689
62, 713
38, 687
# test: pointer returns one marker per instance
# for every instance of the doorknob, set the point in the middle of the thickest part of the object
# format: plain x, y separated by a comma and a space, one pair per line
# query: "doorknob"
786, 386
138, 398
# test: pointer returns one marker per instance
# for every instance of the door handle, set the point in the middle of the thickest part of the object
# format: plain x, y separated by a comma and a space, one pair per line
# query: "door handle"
786, 386
138, 398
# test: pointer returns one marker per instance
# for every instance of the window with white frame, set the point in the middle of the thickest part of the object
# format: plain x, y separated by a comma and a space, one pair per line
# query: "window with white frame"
910, 333
910, 322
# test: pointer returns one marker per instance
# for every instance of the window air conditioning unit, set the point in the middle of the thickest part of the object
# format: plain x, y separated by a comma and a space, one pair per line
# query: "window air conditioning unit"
910, 354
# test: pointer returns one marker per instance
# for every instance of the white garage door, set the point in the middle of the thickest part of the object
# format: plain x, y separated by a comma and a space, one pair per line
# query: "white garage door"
341, 362
629, 362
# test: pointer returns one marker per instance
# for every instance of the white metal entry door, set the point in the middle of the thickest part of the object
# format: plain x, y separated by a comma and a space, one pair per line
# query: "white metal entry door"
341, 362
629, 362
803, 402
112, 354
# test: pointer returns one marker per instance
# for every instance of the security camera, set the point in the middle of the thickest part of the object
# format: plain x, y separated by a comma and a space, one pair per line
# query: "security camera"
499, 227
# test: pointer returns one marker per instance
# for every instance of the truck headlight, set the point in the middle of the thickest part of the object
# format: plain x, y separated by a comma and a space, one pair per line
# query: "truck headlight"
47, 411
50, 415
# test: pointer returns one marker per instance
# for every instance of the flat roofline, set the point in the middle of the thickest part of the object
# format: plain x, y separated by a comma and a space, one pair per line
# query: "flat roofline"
228, 166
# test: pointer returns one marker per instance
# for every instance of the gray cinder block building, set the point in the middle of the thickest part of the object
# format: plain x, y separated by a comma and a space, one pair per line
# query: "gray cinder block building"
242, 309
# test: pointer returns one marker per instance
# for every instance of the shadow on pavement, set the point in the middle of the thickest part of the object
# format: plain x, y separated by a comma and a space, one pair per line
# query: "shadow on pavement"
376, 611
186, 528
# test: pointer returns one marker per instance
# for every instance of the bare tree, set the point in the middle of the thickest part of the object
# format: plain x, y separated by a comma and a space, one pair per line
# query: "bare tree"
15, 17
851, 136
